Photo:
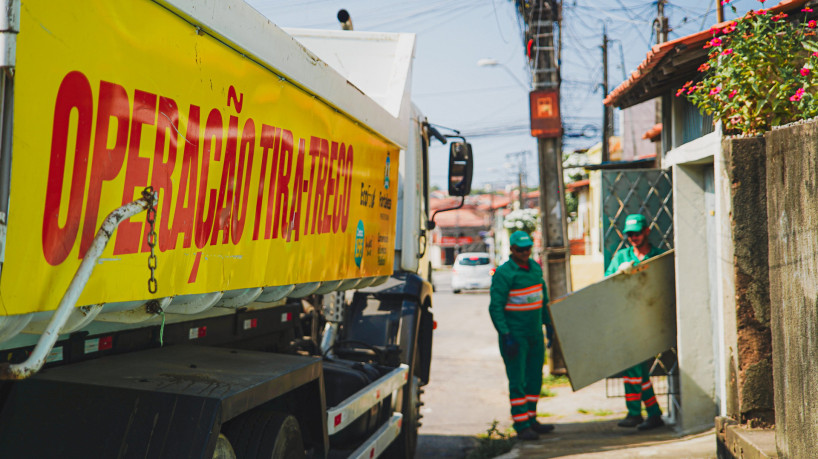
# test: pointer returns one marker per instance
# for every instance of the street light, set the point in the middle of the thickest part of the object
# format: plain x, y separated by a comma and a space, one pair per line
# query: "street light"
494, 63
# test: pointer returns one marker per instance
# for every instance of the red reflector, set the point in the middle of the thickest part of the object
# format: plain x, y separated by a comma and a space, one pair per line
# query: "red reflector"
372, 453
106, 342
253, 323
337, 420
473, 259
202, 332
434, 325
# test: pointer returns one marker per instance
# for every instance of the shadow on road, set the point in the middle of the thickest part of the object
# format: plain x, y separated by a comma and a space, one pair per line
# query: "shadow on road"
594, 439
444, 446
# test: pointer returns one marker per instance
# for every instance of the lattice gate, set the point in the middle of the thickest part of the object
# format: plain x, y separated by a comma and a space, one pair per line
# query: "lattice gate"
636, 191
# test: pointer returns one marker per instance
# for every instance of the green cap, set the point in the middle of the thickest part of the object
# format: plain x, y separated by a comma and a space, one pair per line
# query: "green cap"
521, 239
635, 223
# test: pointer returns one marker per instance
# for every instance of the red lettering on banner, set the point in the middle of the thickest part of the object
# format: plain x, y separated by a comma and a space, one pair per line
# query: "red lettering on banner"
347, 190
107, 162
298, 187
320, 179
214, 132
243, 174
267, 141
327, 224
339, 196
74, 94
227, 184
186, 203
282, 194
202, 211
314, 154
136, 170
167, 123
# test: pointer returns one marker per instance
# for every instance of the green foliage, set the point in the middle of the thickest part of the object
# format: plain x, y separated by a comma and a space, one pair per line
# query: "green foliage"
571, 205
491, 444
595, 412
546, 392
761, 72
555, 380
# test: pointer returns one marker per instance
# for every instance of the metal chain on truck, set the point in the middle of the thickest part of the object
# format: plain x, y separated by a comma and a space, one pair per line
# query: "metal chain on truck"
148, 194
153, 286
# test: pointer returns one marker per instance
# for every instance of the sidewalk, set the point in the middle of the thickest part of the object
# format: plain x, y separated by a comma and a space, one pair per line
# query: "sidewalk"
586, 420
586, 428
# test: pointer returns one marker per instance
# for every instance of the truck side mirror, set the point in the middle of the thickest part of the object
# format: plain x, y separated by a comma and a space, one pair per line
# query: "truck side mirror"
460, 168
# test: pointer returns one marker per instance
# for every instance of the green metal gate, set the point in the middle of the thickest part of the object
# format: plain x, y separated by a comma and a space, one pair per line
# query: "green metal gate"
636, 191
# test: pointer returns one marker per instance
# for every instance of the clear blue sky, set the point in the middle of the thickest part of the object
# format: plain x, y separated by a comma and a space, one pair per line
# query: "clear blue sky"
489, 102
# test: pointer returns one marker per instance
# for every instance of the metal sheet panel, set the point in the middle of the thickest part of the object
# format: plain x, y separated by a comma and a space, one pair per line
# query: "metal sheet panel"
618, 322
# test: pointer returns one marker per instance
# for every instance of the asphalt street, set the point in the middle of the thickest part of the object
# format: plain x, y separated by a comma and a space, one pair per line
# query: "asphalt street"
467, 388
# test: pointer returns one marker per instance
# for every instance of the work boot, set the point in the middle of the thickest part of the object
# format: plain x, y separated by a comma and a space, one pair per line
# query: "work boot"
527, 434
651, 423
541, 428
631, 421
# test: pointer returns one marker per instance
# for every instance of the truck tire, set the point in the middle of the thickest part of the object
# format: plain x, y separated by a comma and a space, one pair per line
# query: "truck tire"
266, 434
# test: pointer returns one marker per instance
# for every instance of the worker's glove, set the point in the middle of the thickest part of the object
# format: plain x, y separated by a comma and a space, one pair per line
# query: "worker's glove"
549, 334
510, 346
626, 267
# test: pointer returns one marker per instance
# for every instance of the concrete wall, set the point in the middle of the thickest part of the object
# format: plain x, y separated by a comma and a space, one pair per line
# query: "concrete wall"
695, 330
747, 323
792, 222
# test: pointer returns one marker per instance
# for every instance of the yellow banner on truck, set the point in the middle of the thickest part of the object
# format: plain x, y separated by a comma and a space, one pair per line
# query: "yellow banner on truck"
260, 183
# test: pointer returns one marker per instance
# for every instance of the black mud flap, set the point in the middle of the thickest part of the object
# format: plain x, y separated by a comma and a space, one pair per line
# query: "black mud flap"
168, 402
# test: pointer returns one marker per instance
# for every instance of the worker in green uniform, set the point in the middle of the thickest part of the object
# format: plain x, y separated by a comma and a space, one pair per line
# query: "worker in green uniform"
517, 309
638, 388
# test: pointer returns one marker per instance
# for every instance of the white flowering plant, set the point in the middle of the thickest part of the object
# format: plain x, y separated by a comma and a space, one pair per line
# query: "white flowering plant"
522, 220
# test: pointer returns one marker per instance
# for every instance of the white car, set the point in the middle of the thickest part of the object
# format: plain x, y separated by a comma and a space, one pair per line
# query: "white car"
472, 270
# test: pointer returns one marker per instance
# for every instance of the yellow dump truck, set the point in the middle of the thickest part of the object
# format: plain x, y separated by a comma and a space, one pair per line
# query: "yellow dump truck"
213, 234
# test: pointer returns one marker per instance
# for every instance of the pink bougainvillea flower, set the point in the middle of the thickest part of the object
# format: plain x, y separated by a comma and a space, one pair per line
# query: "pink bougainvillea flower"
807, 10
761, 12
692, 89
727, 52
680, 92
778, 16
797, 96
811, 24
815, 54
704, 67
730, 28
733, 93
715, 90
804, 71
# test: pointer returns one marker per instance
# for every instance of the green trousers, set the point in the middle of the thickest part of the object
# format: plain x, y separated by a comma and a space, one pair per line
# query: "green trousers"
638, 389
524, 373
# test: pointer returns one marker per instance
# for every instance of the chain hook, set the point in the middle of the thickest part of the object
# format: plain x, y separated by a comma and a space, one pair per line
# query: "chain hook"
149, 195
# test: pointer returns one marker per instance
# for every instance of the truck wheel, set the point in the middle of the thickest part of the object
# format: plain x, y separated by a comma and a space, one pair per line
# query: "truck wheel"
266, 435
223, 449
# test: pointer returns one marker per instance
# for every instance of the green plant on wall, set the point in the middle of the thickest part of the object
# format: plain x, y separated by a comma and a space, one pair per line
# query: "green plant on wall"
761, 72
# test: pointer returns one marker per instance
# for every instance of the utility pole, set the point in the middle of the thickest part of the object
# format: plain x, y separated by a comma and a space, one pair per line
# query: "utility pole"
719, 11
661, 30
606, 110
541, 18
661, 22
521, 175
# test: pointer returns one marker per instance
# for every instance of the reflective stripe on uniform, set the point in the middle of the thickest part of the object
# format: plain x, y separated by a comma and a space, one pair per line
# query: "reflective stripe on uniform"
525, 299
520, 417
532, 398
518, 401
